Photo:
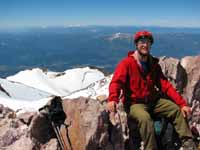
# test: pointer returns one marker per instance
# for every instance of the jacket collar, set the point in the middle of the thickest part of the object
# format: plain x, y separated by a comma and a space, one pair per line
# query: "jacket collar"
153, 61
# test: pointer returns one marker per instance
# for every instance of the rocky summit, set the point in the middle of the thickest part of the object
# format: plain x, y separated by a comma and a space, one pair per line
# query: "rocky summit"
83, 123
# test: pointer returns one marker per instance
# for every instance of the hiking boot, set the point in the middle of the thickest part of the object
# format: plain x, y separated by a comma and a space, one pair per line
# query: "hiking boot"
188, 144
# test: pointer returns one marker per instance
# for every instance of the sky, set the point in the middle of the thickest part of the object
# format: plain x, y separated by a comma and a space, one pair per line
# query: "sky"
170, 13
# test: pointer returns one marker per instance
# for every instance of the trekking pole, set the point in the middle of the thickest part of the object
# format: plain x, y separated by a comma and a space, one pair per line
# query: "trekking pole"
65, 136
66, 146
56, 130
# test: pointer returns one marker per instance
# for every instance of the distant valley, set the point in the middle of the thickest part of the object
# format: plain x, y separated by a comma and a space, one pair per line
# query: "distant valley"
61, 48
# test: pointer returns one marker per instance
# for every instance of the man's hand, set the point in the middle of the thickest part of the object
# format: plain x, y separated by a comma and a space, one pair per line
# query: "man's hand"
186, 111
111, 106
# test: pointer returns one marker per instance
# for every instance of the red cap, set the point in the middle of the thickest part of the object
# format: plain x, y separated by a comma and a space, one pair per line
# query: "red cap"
143, 34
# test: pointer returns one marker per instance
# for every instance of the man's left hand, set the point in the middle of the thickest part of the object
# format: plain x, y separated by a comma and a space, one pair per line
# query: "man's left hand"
186, 111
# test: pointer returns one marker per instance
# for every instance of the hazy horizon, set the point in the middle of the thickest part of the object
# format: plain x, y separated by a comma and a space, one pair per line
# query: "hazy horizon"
27, 13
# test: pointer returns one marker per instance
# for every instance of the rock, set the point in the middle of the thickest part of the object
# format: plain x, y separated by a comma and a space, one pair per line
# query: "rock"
192, 68
185, 76
88, 126
26, 117
52, 144
6, 112
24, 143
27, 131
102, 98
192, 89
174, 72
82, 114
11, 131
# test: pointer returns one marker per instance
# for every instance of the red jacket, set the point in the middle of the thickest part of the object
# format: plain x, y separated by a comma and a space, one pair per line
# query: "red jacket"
129, 78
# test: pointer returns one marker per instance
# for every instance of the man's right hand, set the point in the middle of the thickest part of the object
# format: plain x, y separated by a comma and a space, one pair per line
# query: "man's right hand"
186, 111
111, 106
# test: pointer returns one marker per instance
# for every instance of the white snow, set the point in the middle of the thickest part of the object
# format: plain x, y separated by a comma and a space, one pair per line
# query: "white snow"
59, 84
93, 90
18, 104
32, 89
116, 35
119, 35
20, 91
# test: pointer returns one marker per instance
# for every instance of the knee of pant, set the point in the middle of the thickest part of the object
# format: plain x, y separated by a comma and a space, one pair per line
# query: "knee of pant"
176, 109
174, 112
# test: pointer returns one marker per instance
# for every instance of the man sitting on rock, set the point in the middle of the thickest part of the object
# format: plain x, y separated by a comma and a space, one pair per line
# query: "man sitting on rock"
142, 82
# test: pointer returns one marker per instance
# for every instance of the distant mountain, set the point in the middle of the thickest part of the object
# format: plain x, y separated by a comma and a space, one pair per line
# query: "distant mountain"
61, 48
120, 36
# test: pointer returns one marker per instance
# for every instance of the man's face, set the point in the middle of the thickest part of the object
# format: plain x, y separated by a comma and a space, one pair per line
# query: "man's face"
143, 46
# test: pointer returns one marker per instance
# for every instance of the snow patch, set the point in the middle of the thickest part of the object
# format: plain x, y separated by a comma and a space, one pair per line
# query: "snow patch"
57, 83
32, 89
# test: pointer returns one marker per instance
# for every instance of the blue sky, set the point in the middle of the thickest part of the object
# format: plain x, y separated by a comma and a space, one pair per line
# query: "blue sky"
21, 13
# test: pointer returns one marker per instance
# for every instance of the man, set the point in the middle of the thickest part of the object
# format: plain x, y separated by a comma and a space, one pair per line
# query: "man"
140, 79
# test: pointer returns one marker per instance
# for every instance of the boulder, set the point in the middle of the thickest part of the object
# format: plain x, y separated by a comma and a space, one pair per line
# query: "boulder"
174, 71
184, 74
88, 125
192, 68
26, 131
192, 89
11, 129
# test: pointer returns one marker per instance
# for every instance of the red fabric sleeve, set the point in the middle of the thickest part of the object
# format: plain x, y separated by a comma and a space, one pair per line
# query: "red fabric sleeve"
170, 91
118, 81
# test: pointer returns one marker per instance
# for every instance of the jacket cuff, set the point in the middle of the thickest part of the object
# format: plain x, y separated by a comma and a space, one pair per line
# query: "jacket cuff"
113, 99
